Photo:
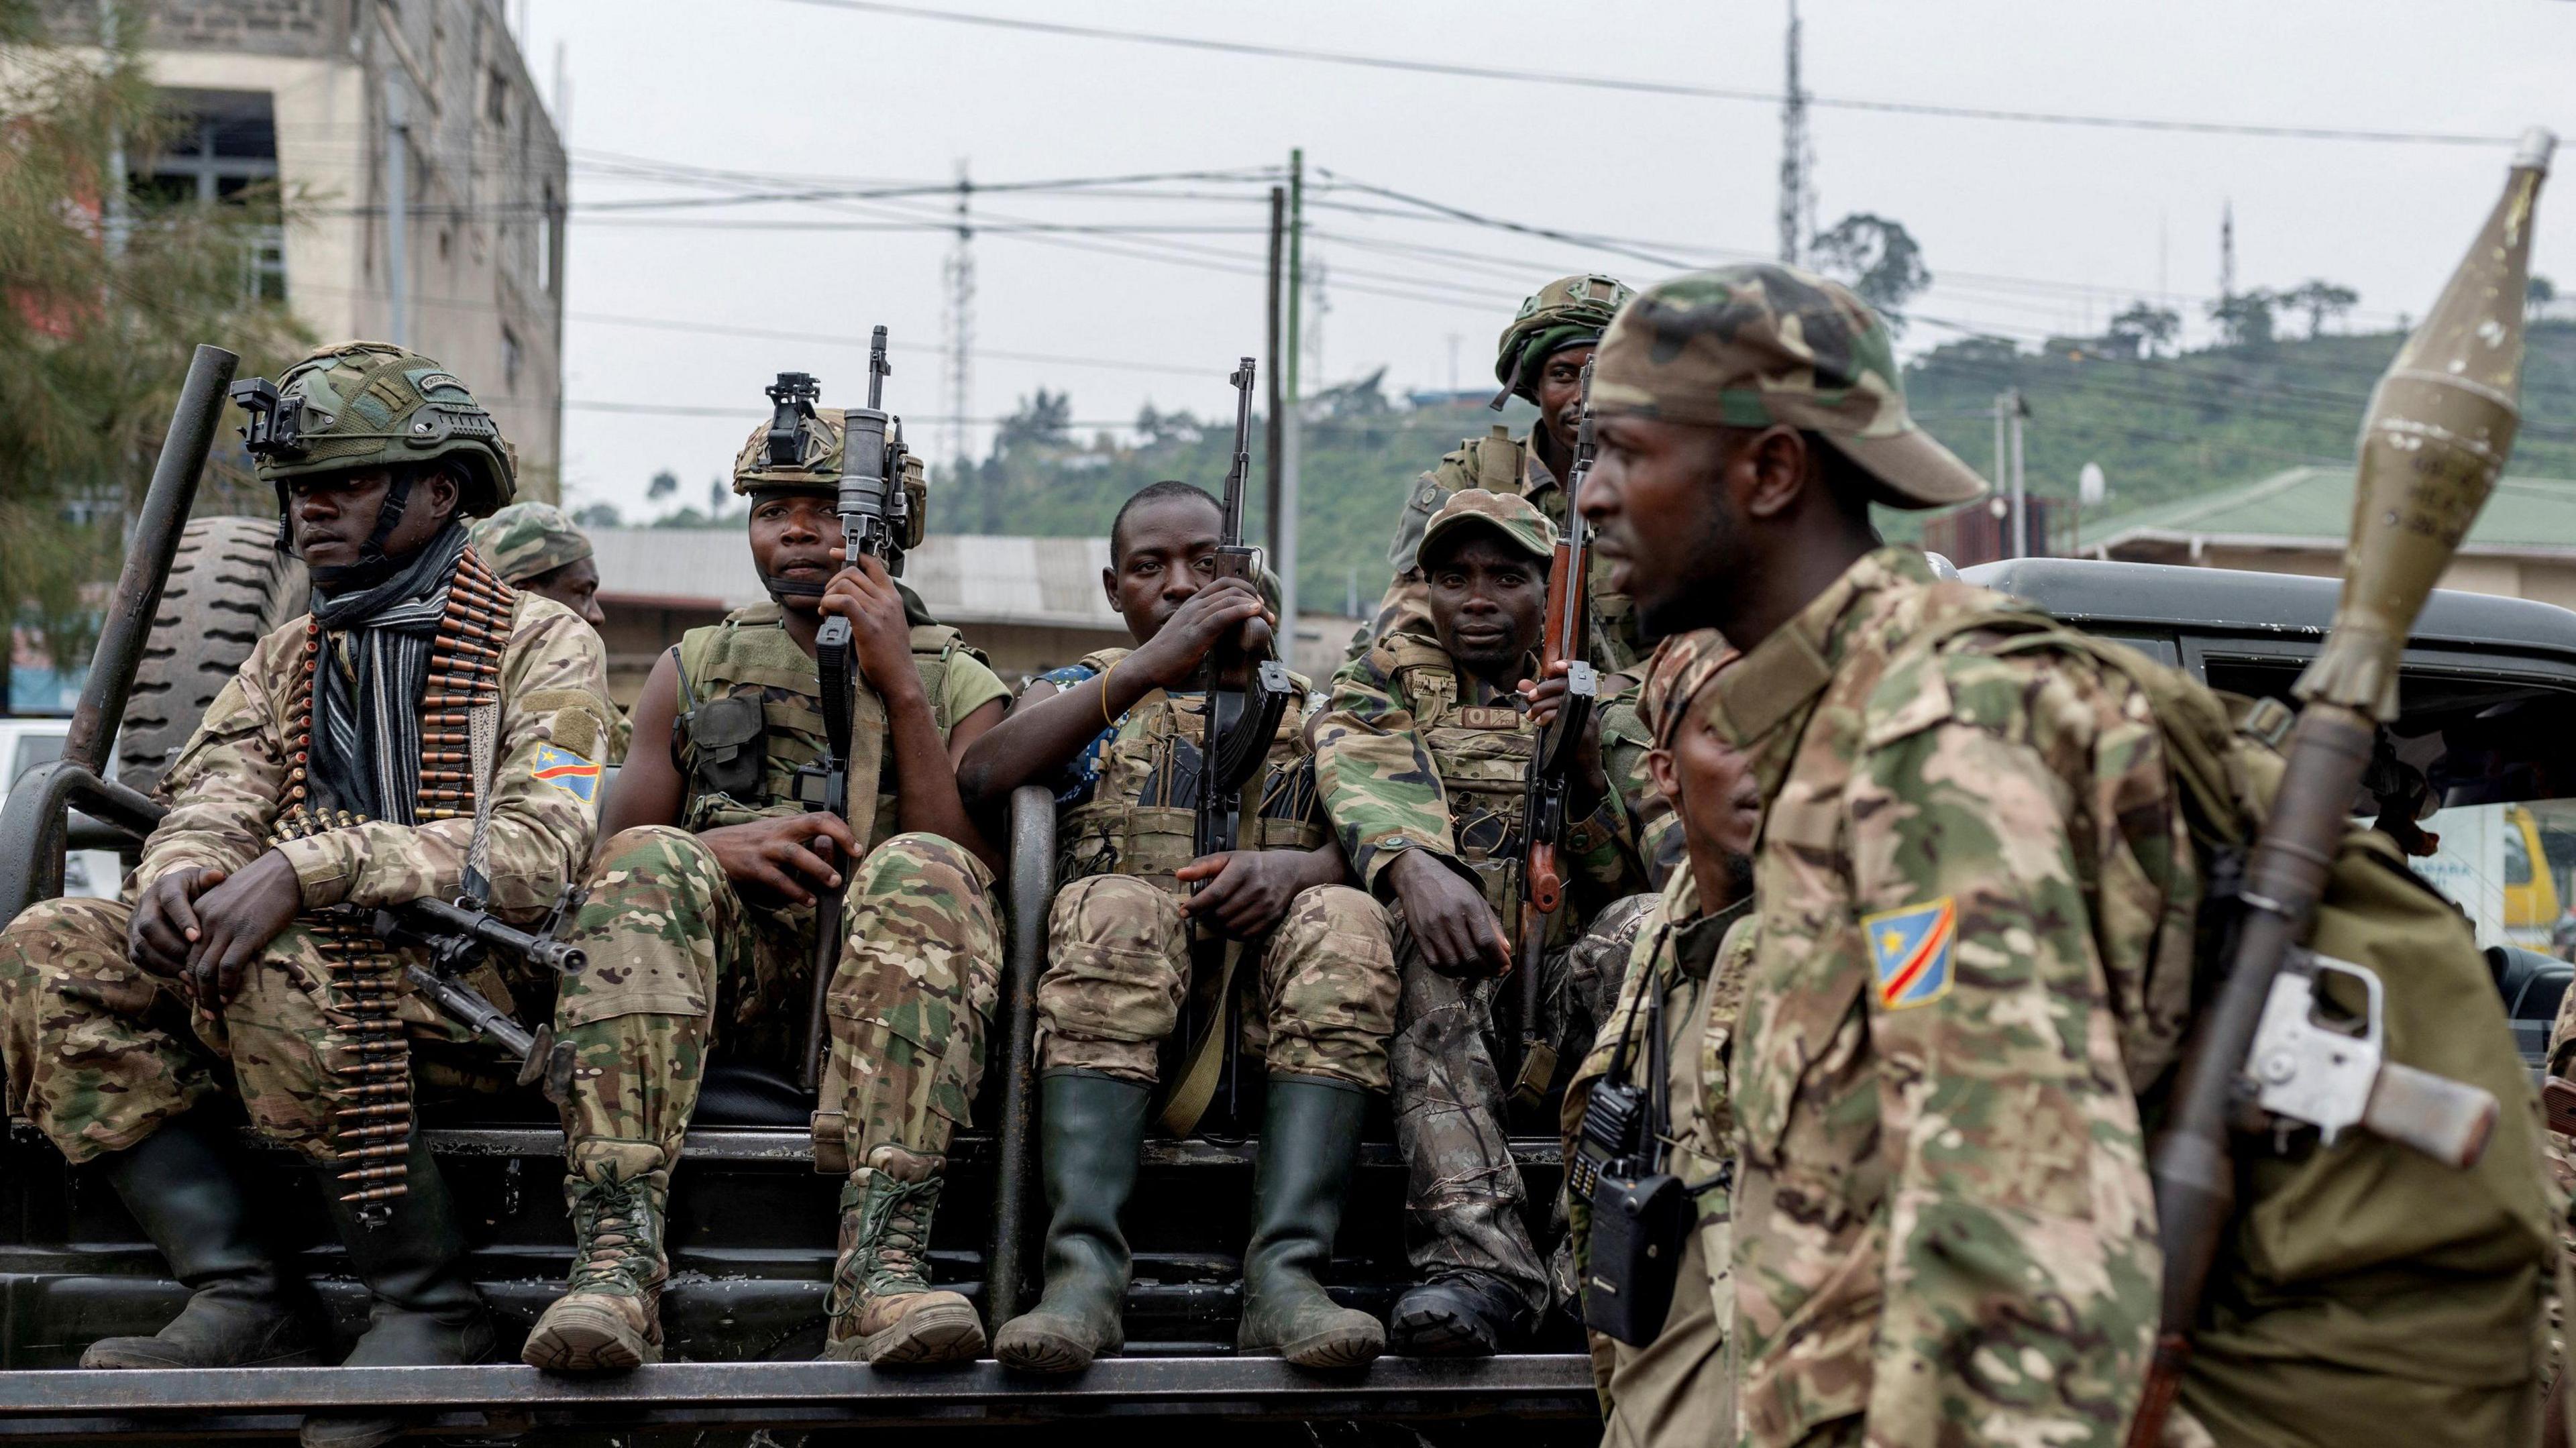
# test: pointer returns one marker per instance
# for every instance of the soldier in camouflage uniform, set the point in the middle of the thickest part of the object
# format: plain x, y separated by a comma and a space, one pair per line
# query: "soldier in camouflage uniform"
1118, 736
1975, 894
700, 927
537, 547
1540, 358
1422, 761
1677, 1390
306, 788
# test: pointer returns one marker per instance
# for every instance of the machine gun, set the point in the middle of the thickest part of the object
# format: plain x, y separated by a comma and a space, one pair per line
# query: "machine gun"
876, 521
460, 935
1552, 763
2440, 426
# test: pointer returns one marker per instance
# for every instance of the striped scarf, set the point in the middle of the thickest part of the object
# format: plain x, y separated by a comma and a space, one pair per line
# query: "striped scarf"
368, 682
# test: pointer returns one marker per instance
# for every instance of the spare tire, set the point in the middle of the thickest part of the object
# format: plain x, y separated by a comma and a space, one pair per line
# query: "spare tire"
228, 587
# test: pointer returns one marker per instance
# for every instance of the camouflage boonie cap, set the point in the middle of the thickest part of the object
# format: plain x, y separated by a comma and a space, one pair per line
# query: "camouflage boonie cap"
529, 540
1681, 667
1515, 517
818, 466
1568, 312
373, 404
1751, 346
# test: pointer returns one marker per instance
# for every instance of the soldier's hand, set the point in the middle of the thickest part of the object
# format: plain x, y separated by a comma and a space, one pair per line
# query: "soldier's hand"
788, 859
1246, 891
1451, 924
1546, 698
236, 921
1204, 618
867, 597
165, 921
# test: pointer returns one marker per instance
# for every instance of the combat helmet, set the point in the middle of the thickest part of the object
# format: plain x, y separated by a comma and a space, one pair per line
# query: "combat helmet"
529, 540
373, 404
799, 450
1568, 312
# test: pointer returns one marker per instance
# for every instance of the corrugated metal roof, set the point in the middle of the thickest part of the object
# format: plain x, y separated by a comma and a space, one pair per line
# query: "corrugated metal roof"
963, 577
2314, 505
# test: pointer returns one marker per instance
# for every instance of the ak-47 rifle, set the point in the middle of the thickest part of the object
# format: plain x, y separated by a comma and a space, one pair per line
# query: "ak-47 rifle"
458, 936
2440, 426
1560, 745
875, 522
1247, 686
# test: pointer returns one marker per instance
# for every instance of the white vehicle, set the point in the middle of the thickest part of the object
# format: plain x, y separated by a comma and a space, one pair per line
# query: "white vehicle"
26, 743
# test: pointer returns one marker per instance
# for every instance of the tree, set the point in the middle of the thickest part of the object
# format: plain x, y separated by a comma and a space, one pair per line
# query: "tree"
1876, 257
2245, 318
98, 319
1361, 397
600, 515
1046, 419
1157, 428
665, 484
2145, 329
2536, 300
2319, 300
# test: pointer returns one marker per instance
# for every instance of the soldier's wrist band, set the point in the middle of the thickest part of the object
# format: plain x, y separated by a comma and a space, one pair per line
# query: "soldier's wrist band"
1104, 692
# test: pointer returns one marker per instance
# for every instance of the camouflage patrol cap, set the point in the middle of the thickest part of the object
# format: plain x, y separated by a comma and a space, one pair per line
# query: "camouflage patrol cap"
529, 540
1681, 667
373, 404
1515, 517
818, 465
1568, 312
1754, 346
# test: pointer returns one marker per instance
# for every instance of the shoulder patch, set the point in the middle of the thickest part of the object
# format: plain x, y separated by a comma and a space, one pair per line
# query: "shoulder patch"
1909, 952
566, 771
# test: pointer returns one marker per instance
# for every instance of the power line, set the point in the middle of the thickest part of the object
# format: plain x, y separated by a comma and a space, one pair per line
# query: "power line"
1668, 88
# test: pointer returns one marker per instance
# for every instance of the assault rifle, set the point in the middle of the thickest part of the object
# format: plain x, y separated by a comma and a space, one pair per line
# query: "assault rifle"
1553, 762
875, 522
2433, 443
1247, 686
461, 935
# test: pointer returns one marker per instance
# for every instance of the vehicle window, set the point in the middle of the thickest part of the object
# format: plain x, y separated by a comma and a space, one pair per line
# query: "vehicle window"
33, 750
2162, 650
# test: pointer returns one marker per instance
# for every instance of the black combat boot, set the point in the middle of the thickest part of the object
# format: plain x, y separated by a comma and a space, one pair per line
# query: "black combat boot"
1464, 1313
1310, 1135
1089, 1134
424, 1312
183, 1183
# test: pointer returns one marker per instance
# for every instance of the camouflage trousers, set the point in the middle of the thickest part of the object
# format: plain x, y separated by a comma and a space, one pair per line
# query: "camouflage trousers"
99, 1053
1118, 968
1464, 1205
678, 958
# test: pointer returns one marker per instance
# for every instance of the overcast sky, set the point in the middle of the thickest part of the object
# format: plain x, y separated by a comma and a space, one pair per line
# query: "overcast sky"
2028, 228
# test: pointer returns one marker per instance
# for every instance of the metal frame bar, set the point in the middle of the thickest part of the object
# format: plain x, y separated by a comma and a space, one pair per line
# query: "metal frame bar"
73, 1404
790, 1145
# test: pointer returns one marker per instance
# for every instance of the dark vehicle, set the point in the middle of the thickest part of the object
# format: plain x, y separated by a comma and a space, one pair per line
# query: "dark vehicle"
2490, 699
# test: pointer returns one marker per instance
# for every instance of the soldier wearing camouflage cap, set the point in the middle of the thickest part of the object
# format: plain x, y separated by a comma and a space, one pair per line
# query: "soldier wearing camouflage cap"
538, 547
1422, 761
1540, 359
705, 890
341, 767
1970, 866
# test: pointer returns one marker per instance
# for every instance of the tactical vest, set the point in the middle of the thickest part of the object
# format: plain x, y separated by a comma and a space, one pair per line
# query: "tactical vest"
740, 763
1482, 755
1141, 821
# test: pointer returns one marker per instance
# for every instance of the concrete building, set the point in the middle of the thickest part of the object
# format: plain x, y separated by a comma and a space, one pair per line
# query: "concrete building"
2296, 521
330, 100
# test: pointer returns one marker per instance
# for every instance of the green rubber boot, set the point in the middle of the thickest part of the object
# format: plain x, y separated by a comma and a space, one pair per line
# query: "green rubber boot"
609, 1317
1310, 1135
1090, 1130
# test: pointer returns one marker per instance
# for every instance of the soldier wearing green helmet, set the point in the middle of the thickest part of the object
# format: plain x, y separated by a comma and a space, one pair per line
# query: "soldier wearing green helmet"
538, 547
428, 732
1540, 359
706, 888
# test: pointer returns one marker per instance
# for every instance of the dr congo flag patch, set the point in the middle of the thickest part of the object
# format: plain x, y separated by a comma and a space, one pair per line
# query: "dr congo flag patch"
567, 771
1910, 949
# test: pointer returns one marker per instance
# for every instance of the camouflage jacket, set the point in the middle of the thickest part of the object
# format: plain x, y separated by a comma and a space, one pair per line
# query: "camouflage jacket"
1975, 906
1128, 804
224, 789
1498, 463
1412, 754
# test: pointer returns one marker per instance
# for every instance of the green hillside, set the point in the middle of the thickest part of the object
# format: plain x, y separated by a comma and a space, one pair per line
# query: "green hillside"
2161, 428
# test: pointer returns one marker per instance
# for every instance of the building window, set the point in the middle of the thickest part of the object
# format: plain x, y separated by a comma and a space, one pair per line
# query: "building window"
546, 243
511, 356
496, 100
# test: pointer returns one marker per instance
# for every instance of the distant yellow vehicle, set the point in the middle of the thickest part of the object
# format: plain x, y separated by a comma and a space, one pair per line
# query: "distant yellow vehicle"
2530, 894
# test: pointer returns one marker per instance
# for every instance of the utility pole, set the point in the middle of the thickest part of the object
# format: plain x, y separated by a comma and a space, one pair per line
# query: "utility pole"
1286, 561
961, 326
1795, 202
119, 219
1274, 425
2020, 481
2227, 251
397, 209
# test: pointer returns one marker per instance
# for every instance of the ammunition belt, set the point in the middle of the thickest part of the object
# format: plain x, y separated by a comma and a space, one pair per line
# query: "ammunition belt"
369, 1069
